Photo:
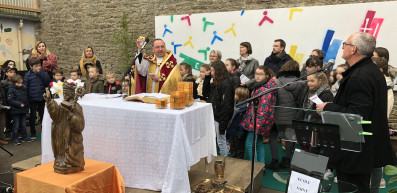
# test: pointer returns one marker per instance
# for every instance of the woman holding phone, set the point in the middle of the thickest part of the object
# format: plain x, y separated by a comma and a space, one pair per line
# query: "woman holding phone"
48, 60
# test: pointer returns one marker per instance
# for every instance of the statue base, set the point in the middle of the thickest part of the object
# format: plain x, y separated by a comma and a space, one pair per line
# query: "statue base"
72, 170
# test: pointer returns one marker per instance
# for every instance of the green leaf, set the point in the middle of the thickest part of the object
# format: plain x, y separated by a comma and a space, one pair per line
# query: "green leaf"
392, 190
393, 179
390, 170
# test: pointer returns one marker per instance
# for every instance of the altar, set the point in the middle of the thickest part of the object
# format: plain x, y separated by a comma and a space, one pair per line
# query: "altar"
152, 148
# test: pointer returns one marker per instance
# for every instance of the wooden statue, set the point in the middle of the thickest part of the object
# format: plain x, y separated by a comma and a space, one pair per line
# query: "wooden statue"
67, 125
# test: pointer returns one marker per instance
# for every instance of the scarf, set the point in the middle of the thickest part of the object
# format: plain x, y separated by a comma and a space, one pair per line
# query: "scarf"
307, 104
243, 62
82, 69
261, 83
276, 59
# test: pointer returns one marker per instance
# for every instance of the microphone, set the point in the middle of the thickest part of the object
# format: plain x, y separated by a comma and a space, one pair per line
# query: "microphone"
329, 65
145, 41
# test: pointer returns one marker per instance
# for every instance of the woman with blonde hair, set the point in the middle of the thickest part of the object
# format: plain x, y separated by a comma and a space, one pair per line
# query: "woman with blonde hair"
88, 57
47, 59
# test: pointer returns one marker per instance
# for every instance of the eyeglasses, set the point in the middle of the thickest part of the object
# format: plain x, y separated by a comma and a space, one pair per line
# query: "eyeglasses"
344, 44
259, 74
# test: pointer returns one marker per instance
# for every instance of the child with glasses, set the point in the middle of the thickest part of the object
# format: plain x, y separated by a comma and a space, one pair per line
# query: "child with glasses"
264, 80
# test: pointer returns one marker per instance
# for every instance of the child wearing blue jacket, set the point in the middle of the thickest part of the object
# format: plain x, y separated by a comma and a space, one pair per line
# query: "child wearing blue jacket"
35, 80
18, 99
236, 133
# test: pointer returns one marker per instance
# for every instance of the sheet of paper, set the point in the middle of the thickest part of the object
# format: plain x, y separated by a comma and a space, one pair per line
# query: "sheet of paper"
300, 183
244, 78
316, 99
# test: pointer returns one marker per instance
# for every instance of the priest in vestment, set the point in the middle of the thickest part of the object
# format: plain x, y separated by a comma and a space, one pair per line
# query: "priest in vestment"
158, 73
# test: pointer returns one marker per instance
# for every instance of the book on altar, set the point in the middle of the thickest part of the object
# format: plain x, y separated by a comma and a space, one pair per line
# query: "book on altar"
147, 97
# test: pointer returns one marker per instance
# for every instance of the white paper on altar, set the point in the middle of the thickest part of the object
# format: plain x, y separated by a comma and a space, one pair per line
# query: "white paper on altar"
152, 148
300, 183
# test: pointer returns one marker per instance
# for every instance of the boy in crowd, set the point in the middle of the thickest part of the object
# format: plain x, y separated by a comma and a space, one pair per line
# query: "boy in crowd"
187, 76
75, 78
36, 80
57, 75
95, 84
57, 78
112, 86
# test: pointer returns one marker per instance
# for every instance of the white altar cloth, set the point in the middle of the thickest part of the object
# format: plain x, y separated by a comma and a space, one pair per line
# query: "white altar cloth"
152, 148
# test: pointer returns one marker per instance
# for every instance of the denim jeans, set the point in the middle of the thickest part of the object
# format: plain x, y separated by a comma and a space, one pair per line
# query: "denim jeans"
221, 140
19, 122
260, 147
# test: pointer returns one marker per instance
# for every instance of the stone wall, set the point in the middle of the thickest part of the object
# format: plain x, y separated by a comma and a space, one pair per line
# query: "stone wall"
68, 27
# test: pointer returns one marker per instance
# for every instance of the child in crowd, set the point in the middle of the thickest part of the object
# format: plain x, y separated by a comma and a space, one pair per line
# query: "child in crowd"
112, 86
57, 75
75, 78
384, 68
231, 66
290, 96
339, 70
57, 78
318, 85
5, 118
187, 76
124, 87
36, 80
203, 86
264, 80
18, 99
236, 133
332, 78
87, 65
96, 82
221, 97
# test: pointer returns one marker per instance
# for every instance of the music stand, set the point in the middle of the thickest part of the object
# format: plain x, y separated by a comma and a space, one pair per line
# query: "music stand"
340, 131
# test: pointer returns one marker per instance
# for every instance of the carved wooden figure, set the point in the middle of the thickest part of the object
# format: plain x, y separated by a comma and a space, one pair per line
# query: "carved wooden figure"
67, 125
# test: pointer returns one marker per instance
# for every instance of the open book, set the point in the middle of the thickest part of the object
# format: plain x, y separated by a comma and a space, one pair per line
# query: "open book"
147, 97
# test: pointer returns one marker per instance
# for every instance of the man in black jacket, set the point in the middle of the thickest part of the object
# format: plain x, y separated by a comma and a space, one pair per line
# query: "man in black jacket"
278, 57
362, 91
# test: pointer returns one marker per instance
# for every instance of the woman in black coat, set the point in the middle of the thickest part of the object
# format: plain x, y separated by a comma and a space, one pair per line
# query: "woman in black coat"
222, 99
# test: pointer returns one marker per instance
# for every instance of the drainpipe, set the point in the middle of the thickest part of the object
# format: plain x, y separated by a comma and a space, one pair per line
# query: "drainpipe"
21, 66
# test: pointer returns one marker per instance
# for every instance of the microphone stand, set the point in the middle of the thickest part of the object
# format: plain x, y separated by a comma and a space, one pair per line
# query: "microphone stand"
255, 100
128, 71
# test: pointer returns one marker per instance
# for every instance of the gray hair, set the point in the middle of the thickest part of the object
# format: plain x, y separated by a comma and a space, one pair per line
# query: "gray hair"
365, 43
218, 54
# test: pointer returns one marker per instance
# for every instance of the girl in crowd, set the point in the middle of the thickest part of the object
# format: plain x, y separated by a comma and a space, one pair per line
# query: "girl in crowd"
7, 63
383, 66
318, 85
339, 70
288, 96
248, 64
89, 57
48, 60
18, 99
215, 55
203, 82
236, 133
332, 77
264, 80
221, 97
231, 66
